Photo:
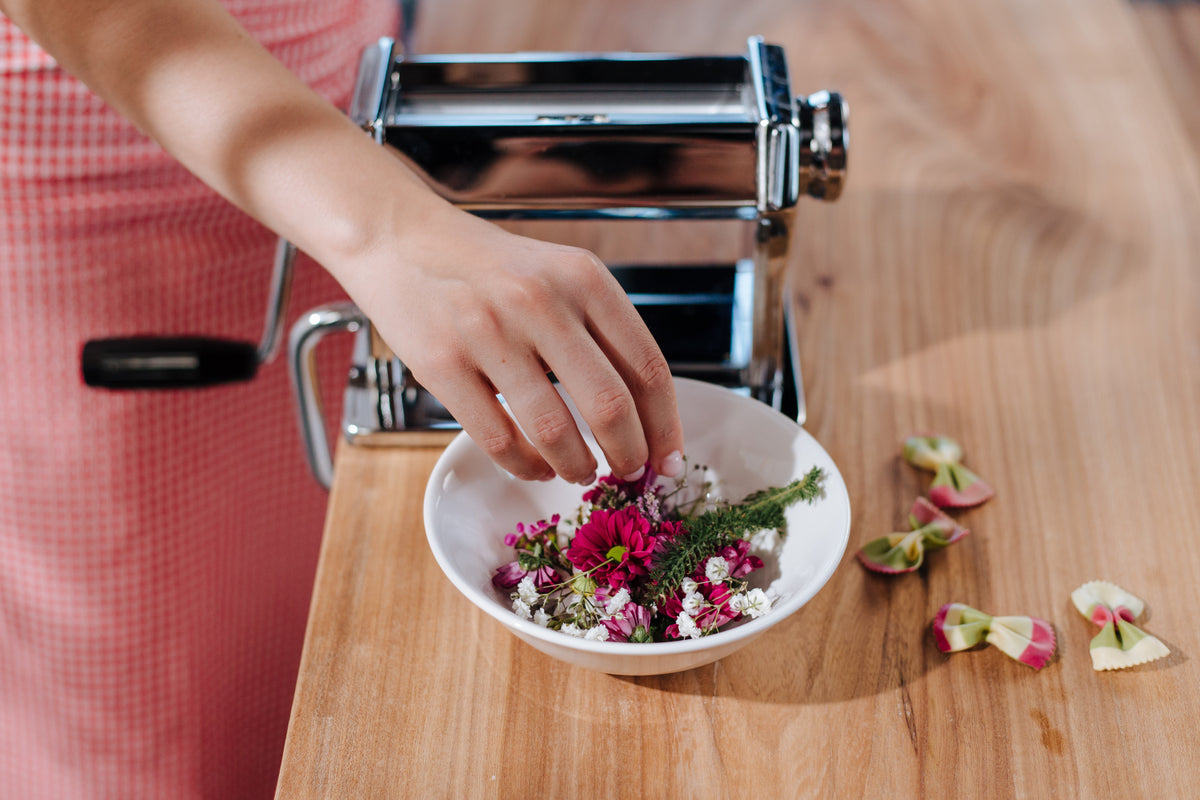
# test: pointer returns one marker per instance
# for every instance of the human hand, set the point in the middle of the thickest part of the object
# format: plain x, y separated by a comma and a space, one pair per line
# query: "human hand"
471, 309
474, 310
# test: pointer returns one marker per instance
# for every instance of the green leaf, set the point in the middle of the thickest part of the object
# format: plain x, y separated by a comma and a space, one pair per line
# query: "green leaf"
722, 526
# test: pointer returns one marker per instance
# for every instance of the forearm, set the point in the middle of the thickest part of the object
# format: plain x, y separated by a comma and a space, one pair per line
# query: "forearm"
471, 309
190, 77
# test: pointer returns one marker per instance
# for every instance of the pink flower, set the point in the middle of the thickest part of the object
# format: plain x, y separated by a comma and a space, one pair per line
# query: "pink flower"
712, 616
613, 545
717, 608
606, 485
719, 611
540, 531
665, 532
669, 530
612, 492
737, 555
509, 575
632, 624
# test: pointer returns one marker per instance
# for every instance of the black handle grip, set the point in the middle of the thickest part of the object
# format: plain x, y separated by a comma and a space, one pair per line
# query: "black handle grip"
179, 362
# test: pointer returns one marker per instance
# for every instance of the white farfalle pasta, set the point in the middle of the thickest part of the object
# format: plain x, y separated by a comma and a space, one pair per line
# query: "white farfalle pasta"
1120, 643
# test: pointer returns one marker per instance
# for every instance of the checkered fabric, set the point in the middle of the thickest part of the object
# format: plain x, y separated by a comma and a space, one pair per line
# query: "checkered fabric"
157, 549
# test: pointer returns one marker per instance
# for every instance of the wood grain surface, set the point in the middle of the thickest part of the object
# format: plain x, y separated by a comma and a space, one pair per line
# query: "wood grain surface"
1014, 263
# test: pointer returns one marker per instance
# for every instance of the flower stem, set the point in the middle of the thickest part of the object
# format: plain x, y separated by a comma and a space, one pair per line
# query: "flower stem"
714, 529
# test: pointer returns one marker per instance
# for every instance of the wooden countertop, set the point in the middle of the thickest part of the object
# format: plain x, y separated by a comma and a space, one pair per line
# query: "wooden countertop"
1015, 263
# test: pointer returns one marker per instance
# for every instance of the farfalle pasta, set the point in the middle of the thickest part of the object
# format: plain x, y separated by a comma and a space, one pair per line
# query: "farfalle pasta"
1029, 640
931, 529
954, 486
1120, 643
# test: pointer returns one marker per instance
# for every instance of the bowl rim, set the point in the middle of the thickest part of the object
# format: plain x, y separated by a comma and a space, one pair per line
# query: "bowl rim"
748, 629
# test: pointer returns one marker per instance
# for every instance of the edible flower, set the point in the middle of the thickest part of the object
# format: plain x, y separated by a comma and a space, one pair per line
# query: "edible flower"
637, 562
613, 546
631, 624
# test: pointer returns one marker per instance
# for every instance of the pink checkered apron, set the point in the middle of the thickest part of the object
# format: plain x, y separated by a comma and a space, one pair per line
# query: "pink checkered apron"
157, 548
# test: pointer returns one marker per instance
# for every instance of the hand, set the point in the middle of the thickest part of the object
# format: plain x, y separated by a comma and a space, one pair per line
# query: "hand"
471, 309
474, 310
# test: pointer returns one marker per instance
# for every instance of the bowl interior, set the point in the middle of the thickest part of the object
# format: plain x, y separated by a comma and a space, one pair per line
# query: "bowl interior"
470, 504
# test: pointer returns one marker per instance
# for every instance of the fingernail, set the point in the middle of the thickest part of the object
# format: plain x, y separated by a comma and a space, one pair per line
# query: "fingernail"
589, 480
672, 465
549, 475
635, 475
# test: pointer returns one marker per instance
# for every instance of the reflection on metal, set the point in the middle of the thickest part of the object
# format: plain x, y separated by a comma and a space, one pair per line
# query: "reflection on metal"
515, 135
612, 136
378, 408
277, 300
306, 333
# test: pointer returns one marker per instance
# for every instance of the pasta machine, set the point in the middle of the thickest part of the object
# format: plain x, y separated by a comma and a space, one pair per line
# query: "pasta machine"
610, 137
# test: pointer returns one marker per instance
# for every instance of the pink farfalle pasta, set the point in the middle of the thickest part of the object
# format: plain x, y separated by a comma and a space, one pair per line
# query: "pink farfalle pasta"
1120, 643
931, 529
1027, 639
954, 486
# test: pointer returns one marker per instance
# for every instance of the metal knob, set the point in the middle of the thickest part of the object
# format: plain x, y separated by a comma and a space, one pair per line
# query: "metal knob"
823, 143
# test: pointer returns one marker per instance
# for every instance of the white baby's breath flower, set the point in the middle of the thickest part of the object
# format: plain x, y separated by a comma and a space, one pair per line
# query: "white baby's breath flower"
571, 629
757, 603
527, 590
522, 609
597, 634
693, 602
687, 626
617, 602
716, 569
687, 585
541, 617
738, 602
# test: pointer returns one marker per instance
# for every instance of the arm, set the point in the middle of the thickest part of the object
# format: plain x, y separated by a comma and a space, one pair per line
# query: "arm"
472, 309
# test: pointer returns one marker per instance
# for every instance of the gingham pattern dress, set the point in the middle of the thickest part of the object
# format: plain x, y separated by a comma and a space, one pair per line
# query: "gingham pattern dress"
157, 549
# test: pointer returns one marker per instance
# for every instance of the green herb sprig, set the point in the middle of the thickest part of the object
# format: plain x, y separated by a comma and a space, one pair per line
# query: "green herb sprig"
722, 526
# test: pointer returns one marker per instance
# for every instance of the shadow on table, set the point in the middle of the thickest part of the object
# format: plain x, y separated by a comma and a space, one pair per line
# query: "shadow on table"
878, 643
863, 633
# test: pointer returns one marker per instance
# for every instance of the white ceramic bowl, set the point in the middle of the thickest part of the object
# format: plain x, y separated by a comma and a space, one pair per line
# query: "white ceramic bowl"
470, 504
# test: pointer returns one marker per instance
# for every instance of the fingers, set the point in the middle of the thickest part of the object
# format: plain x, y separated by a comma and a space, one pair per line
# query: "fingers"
581, 324
627, 344
599, 348
495, 318
544, 417
468, 376
604, 401
624, 414
474, 405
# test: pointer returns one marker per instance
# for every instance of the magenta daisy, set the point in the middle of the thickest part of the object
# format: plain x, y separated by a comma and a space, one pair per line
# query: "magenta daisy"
613, 546
629, 565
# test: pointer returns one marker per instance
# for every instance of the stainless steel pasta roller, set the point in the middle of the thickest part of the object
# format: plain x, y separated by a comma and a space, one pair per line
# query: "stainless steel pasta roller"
610, 137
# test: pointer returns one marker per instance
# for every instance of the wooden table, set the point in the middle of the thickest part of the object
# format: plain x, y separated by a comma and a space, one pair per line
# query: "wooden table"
1015, 263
